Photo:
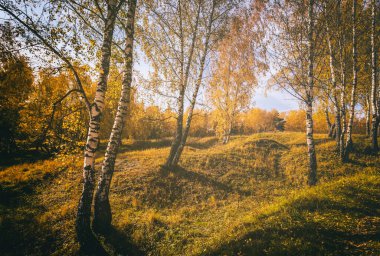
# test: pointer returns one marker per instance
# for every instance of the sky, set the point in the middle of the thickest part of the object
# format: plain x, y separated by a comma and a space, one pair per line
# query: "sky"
264, 99
282, 101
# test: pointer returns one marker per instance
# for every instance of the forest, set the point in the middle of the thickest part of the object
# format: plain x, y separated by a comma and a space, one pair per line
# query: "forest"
137, 127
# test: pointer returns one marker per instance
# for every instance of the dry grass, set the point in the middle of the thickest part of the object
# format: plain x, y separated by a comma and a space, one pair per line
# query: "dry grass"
248, 197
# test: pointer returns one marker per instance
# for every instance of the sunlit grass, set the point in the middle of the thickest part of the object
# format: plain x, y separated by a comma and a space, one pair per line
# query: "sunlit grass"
249, 196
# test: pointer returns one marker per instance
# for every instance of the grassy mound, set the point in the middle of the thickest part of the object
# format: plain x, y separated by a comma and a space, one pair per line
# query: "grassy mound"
337, 218
248, 197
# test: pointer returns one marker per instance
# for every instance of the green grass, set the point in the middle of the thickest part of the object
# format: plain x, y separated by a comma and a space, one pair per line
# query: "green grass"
248, 197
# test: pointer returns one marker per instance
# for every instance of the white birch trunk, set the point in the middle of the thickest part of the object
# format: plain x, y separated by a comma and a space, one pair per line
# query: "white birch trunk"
368, 117
312, 179
354, 84
343, 84
172, 159
84, 208
196, 90
102, 209
375, 111
335, 90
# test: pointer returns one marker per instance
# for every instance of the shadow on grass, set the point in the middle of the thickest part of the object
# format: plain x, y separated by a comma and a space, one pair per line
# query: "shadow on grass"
120, 243
268, 144
139, 145
93, 248
202, 145
348, 226
316, 142
22, 156
202, 179
113, 242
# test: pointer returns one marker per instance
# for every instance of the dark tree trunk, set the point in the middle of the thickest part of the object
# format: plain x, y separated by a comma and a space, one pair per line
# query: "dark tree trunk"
328, 122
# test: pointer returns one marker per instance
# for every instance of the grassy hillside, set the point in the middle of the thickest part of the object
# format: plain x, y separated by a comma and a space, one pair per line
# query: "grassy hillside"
246, 198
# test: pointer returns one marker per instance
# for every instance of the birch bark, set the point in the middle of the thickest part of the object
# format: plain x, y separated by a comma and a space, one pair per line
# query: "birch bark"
196, 90
354, 84
172, 159
335, 88
367, 116
83, 228
312, 179
102, 209
375, 111
343, 83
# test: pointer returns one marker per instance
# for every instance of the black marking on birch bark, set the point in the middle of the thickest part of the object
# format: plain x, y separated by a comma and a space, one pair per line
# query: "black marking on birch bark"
102, 216
84, 208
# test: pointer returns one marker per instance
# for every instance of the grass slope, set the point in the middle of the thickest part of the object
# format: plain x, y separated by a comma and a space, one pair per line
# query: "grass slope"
246, 198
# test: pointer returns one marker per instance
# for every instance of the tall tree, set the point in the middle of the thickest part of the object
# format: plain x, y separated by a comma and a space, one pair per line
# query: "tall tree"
175, 41
102, 208
374, 98
83, 228
295, 58
349, 143
335, 89
310, 97
342, 62
198, 82
184, 76
248, 35
234, 78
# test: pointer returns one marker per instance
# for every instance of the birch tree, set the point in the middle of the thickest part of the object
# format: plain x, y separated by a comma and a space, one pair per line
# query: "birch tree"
310, 98
374, 89
333, 72
197, 85
102, 210
234, 77
349, 143
342, 68
295, 60
177, 36
83, 229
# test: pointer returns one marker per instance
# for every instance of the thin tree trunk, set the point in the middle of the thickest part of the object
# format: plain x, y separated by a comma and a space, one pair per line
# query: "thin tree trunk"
368, 117
375, 110
196, 90
83, 228
338, 125
102, 209
228, 132
344, 120
329, 125
341, 42
172, 160
349, 143
333, 135
335, 89
312, 179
